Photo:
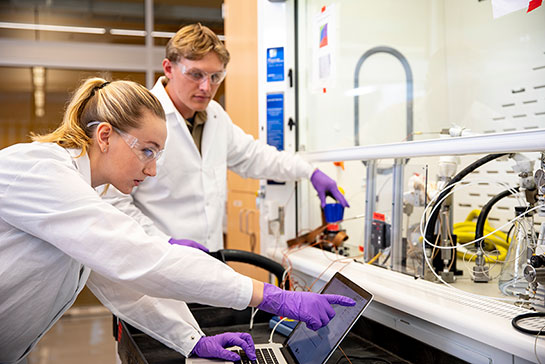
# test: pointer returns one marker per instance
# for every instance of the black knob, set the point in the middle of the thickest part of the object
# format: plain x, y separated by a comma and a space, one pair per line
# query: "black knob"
537, 261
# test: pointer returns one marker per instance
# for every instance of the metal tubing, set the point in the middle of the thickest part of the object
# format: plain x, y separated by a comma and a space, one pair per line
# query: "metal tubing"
397, 215
150, 75
409, 92
370, 199
512, 142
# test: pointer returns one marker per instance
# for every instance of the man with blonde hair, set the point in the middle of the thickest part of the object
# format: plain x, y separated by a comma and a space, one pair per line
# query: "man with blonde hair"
187, 198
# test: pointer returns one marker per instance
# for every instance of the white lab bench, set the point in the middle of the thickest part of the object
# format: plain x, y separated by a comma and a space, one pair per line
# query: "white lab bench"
472, 328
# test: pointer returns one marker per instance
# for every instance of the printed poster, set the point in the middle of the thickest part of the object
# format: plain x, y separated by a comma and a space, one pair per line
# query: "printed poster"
324, 43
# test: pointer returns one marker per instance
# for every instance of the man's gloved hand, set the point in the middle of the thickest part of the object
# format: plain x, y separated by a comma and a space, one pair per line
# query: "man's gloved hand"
214, 346
323, 184
312, 308
190, 243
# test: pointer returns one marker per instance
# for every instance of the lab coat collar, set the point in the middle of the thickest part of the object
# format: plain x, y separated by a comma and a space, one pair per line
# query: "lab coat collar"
161, 93
82, 163
168, 106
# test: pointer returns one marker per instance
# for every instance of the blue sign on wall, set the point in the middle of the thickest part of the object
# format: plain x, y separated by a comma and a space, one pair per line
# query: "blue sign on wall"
275, 64
275, 120
275, 124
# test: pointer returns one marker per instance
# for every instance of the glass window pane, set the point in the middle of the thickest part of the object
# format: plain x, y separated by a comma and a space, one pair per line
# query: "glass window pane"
467, 69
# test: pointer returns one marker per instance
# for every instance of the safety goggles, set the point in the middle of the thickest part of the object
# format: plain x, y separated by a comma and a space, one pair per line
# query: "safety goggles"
145, 154
197, 75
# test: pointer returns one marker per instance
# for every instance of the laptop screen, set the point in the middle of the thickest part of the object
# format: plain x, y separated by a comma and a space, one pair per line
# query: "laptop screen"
311, 347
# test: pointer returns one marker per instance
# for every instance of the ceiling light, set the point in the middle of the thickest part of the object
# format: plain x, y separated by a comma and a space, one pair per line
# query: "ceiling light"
39, 98
38, 81
142, 33
163, 34
129, 32
52, 28
38, 76
88, 30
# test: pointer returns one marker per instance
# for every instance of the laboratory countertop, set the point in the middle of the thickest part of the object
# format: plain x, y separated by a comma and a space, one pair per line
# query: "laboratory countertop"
478, 318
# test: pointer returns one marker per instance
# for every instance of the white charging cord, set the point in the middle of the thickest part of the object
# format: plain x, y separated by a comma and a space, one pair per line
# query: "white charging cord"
274, 329
254, 312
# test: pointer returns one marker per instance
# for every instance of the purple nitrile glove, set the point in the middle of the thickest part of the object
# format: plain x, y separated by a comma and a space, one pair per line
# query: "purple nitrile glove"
324, 184
190, 243
214, 346
312, 308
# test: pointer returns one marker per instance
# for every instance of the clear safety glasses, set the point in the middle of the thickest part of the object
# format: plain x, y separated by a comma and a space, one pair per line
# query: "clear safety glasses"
145, 154
197, 75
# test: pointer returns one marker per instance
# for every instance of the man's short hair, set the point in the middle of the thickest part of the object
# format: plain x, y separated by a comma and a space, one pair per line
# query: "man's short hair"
195, 41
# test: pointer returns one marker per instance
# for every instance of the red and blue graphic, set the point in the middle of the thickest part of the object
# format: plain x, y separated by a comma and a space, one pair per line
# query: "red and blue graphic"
323, 35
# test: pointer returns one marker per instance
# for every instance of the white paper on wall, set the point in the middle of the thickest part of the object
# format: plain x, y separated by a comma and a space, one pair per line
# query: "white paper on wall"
504, 7
323, 46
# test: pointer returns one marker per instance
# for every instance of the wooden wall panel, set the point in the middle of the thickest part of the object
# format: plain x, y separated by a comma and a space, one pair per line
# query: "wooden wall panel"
241, 104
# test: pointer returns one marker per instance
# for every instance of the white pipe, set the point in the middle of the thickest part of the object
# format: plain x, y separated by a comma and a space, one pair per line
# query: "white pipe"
512, 142
150, 74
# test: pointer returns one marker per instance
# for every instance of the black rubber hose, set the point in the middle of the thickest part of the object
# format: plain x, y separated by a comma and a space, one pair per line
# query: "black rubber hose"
531, 315
479, 228
464, 172
243, 256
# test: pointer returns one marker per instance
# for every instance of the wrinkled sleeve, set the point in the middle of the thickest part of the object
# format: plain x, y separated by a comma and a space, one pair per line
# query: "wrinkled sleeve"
50, 200
166, 320
255, 159
125, 203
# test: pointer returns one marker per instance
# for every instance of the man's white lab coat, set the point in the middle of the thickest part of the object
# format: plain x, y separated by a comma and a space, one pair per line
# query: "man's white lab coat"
55, 229
187, 197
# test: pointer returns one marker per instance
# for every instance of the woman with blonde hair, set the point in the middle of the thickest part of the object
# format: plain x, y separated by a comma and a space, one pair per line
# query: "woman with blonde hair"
56, 234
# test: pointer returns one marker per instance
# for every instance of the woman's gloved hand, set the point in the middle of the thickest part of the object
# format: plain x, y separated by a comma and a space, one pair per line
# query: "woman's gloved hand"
324, 184
190, 243
214, 346
312, 308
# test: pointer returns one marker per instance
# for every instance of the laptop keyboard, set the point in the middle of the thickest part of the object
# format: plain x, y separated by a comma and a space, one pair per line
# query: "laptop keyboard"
264, 356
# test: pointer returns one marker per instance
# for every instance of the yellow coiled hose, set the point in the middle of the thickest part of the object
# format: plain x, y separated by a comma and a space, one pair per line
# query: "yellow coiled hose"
465, 231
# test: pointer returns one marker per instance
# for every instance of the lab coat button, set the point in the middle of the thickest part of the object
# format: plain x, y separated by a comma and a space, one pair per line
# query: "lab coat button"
192, 337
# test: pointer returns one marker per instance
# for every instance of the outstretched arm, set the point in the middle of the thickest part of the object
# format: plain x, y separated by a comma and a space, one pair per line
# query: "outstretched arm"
313, 309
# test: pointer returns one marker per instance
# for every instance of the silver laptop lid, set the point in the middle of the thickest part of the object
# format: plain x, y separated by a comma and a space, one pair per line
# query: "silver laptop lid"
306, 346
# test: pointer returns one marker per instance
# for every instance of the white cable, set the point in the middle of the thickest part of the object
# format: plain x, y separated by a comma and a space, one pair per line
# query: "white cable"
289, 198
535, 344
284, 275
489, 256
451, 286
453, 189
425, 228
472, 182
425, 241
353, 218
254, 312
274, 329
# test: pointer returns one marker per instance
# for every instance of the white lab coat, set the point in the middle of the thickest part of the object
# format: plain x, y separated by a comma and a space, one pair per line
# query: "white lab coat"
55, 229
187, 197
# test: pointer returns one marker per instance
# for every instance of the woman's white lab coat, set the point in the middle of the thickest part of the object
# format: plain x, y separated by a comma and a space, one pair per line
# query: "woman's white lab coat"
55, 230
187, 197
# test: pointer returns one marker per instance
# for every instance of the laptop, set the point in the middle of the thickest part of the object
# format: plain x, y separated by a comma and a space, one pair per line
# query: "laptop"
305, 346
